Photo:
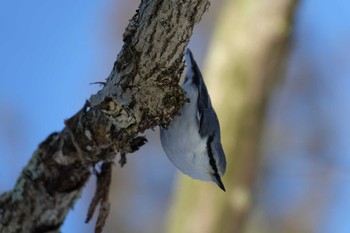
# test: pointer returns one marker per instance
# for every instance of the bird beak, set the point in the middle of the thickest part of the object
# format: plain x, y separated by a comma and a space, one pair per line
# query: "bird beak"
218, 181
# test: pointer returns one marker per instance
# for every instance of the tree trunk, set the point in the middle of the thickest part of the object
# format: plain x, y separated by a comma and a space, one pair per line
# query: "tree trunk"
141, 92
247, 57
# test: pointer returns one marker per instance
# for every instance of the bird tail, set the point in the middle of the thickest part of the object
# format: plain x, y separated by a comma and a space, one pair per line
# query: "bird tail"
193, 73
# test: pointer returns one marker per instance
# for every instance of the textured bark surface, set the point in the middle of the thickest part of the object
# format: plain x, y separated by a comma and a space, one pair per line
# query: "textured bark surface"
141, 92
246, 59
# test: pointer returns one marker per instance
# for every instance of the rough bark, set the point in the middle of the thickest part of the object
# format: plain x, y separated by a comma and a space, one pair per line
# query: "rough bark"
141, 92
246, 59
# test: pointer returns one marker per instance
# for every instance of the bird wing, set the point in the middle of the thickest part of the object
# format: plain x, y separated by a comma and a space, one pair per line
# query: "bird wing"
195, 75
209, 124
206, 115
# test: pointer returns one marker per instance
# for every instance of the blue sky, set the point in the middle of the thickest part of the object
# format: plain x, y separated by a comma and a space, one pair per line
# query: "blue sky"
49, 55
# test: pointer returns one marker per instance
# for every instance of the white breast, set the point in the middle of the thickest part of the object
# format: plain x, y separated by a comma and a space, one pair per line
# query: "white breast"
182, 142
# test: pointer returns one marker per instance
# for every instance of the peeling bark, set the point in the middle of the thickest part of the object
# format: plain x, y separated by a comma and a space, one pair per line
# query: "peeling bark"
141, 92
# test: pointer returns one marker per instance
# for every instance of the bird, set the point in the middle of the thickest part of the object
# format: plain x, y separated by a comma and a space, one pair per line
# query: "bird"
192, 140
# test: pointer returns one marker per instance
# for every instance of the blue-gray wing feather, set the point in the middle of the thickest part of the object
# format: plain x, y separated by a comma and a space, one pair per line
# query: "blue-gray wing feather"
206, 116
208, 122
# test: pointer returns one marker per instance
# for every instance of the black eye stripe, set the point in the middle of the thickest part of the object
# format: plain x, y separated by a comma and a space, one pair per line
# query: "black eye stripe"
210, 154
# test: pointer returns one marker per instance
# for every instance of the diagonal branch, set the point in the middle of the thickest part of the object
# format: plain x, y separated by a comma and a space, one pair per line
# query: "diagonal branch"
141, 92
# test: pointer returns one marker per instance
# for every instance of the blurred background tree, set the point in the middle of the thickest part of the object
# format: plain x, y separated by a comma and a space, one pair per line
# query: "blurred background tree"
247, 57
51, 49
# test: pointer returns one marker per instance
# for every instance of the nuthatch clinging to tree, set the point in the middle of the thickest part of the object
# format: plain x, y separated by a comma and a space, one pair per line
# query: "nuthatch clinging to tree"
192, 140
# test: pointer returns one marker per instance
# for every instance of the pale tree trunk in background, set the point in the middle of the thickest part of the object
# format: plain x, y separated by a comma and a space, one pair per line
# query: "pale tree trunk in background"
247, 57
